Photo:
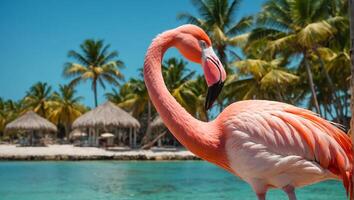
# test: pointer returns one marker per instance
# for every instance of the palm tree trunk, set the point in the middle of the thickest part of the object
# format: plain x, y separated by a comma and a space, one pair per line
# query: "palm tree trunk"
345, 100
150, 144
94, 87
312, 85
278, 93
339, 109
57, 134
43, 110
148, 132
329, 110
67, 127
351, 19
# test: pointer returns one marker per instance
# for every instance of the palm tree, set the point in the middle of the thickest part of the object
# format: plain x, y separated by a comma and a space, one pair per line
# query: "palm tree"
14, 108
9, 110
337, 64
37, 98
114, 96
175, 76
194, 93
261, 79
297, 27
351, 14
217, 17
65, 107
134, 97
95, 63
3, 116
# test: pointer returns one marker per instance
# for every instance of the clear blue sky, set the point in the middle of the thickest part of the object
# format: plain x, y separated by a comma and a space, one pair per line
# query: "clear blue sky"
35, 36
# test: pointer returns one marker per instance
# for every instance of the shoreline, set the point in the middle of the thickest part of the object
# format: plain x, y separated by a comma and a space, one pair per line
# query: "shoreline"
72, 153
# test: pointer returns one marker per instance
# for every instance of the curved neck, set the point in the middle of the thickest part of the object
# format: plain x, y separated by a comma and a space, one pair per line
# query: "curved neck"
202, 138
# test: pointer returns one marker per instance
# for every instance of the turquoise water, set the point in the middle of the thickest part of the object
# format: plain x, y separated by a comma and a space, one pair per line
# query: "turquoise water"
108, 180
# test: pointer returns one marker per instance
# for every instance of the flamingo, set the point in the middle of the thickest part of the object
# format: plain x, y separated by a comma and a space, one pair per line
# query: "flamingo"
268, 144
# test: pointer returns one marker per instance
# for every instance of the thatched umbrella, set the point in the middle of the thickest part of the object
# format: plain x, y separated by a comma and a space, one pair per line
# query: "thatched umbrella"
107, 135
105, 116
77, 133
31, 122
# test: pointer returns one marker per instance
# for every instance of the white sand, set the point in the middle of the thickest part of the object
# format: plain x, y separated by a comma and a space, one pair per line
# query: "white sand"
70, 150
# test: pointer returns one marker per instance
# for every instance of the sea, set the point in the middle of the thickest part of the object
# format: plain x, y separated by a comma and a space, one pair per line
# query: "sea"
141, 180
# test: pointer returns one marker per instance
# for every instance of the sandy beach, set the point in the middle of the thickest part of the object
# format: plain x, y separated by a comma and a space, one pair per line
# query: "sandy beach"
70, 152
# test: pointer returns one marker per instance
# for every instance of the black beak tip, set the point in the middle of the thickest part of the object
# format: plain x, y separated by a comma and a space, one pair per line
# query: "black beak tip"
212, 95
207, 106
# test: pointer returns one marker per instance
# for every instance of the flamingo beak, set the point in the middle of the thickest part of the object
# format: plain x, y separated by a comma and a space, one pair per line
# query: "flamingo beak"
213, 72
213, 93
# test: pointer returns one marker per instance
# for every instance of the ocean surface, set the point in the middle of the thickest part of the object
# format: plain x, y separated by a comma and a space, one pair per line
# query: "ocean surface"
108, 180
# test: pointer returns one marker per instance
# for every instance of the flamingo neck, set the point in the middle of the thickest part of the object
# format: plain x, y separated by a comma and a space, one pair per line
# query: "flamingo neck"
202, 138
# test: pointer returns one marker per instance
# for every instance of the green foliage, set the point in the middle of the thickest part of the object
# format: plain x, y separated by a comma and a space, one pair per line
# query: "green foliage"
261, 79
133, 95
9, 110
194, 93
313, 33
37, 98
295, 51
176, 75
64, 107
217, 18
94, 63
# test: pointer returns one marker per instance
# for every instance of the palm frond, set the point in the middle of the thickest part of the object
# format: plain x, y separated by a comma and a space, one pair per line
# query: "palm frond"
203, 8
242, 26
78, 57
73, 69
110, 79
233, 9
278, 77
188, 18
315, 33
262, 33
239, 40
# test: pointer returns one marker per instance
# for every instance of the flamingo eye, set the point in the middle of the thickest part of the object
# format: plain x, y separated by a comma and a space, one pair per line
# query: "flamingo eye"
202, 44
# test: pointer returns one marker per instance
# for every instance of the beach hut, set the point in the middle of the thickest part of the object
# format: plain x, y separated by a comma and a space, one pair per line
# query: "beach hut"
108, 117
32, 124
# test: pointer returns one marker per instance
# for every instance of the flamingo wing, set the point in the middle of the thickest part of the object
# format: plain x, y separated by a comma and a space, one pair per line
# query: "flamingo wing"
284, 139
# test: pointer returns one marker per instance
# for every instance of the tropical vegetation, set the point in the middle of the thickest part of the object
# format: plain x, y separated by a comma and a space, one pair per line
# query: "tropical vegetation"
65, 107
294, 51
96, 63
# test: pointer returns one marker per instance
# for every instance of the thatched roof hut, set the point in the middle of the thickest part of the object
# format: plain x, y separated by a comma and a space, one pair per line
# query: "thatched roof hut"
157, 122
31, 121
106, 115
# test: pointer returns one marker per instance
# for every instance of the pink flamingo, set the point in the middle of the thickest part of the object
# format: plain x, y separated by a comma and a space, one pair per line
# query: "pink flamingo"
267, 144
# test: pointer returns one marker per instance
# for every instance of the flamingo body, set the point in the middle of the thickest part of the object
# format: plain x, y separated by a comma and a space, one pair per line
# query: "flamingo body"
273, 145
268, 144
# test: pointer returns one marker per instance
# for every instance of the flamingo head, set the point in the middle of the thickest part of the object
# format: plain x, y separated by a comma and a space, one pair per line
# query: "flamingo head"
195, 45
